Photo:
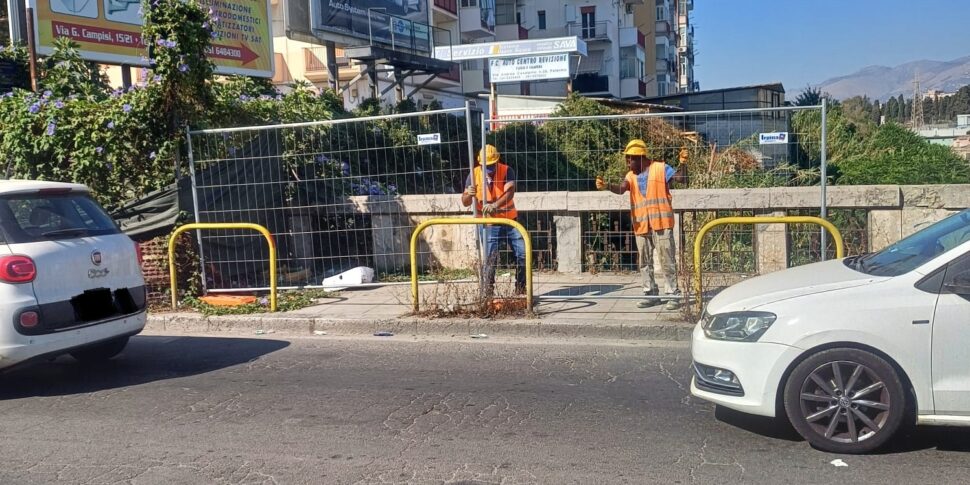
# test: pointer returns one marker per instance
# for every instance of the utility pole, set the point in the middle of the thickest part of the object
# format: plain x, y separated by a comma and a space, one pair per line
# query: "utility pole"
917, 105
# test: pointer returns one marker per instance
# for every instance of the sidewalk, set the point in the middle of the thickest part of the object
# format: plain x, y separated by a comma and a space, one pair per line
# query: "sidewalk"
365, 311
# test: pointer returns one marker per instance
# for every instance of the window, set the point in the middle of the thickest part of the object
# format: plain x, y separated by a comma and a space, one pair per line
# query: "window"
661, 13
518, 18
29, 218
629, 9
589, 22
469, 3
542, 20
916, 250
957, 279
662, 88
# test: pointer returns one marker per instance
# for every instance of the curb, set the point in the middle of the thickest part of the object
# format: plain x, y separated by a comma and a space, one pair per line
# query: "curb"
615, 330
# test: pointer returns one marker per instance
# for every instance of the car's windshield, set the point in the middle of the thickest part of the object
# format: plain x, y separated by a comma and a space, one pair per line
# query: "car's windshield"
916, 250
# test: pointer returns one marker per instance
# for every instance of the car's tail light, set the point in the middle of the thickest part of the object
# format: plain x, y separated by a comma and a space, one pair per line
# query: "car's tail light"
29, 319
17, 269
139, 254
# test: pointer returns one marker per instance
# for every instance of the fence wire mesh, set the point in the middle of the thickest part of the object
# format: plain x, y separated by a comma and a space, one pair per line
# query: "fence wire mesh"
560, 158
337, 195
344, 194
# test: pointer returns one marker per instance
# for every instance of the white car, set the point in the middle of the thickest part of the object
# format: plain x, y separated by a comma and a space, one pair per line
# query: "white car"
849, 350
70, 281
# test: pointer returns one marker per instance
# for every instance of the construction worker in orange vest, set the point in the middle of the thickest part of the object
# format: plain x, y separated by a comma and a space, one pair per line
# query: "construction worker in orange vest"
653, 220
496, 201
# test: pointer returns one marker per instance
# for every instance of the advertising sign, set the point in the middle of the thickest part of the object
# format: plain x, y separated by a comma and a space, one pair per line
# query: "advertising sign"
429, 139
776, 138
401, 23
109, 31
464, 52
529, 68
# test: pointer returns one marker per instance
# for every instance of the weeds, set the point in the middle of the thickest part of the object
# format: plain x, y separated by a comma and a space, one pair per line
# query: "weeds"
286, 301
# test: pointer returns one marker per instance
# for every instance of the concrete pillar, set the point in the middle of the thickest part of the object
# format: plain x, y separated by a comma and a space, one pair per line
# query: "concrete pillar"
885, 228
771, 245
569, 243
391, 235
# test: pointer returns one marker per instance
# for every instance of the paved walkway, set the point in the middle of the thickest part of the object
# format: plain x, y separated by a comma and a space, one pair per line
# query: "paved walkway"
558, 297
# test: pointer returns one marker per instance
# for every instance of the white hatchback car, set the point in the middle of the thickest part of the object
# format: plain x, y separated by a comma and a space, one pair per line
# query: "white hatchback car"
70, 281
849, 350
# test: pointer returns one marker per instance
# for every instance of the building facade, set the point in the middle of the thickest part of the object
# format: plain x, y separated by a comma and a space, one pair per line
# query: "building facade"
636, 49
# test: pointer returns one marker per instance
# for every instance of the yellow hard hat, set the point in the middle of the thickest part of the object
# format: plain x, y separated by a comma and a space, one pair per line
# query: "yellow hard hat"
636, 148
491, 155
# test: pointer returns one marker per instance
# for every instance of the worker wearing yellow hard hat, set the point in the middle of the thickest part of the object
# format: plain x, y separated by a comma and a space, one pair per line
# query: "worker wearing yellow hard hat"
492, 189
652, 215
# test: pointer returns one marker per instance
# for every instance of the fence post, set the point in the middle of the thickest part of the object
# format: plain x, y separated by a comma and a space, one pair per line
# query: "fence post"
195, 205
823, 171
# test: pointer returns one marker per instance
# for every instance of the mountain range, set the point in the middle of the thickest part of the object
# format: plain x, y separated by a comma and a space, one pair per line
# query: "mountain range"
881, 82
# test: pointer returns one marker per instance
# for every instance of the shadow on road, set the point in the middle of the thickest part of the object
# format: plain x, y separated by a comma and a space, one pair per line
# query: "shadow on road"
770, 427
145, 359
914, 439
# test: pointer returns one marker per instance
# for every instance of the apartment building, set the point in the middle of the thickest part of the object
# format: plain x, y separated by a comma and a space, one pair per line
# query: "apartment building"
636, 49
301, 57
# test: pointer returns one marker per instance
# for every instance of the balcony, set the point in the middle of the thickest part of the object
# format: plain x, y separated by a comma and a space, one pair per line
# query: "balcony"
448, 6
664, 66
629, 37
315, 68
477, 22
597, 32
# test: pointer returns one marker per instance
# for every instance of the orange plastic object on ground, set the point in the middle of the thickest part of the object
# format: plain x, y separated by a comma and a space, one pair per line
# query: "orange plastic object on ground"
228, 300
508, 304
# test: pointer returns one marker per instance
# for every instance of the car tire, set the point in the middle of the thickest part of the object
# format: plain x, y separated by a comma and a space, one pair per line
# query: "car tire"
100, 352
831, 386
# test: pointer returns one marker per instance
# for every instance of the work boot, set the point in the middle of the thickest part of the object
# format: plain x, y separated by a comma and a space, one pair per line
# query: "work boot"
649, 302
672, 305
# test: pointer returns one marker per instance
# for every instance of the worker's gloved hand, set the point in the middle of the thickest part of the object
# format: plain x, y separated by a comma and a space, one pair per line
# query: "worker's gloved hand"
471, 190
488, 210
600, 183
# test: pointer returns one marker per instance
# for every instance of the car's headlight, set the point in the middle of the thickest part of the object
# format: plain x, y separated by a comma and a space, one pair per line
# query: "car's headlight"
738, 326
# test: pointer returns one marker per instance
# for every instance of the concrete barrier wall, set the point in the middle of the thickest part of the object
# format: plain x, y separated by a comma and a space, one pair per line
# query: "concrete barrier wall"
894, 212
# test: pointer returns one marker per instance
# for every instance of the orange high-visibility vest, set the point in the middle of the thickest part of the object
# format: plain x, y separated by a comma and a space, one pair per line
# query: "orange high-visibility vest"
654, 211
496, 189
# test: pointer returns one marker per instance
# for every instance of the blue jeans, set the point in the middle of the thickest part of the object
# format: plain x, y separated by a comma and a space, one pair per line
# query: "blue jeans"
494, 235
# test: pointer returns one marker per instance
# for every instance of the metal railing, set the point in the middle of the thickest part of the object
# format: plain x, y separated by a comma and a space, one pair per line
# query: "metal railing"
596, 31
271, 244
699, 240
478, 222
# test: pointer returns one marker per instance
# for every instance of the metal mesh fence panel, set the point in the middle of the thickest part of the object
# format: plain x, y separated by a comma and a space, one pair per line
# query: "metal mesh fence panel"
337, 195
557, 160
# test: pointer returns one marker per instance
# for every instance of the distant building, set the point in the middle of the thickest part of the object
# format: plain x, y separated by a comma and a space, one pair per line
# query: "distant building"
936, 95
743, 97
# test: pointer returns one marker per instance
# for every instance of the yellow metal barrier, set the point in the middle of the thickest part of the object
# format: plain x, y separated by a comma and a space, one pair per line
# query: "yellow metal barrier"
242, 225
699, 287
449, 221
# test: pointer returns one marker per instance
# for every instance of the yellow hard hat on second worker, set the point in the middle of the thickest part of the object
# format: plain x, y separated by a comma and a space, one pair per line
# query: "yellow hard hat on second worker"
491, 155
636, 148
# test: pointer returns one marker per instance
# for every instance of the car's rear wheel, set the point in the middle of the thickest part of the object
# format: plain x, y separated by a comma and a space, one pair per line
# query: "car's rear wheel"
100, 352
845, 400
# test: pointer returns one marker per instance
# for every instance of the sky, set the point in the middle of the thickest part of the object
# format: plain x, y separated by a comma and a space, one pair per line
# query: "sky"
801, 42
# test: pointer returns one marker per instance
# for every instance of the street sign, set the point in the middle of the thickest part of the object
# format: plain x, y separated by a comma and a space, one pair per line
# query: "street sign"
529, 68
109, 31
514, 48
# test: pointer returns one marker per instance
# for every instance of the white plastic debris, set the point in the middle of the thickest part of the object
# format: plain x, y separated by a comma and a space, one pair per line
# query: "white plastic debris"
319, 332
356, 276
260, 332
479, 335
838, 462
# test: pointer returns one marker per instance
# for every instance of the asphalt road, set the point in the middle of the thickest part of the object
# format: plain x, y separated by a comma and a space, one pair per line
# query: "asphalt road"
196, 409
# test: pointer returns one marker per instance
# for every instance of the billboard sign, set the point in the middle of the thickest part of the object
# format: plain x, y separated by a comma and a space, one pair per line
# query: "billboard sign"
515, 48
109, 31
529, 68
401, 23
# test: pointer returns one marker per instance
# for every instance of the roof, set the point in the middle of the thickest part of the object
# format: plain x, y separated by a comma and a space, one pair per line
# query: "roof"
23, 186
775, 86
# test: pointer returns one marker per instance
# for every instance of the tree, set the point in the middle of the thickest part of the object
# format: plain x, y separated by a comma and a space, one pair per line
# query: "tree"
876, 112
902, 114
4, 25
810, 96
891, 110
896, 155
